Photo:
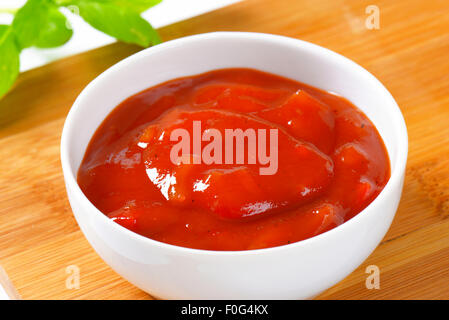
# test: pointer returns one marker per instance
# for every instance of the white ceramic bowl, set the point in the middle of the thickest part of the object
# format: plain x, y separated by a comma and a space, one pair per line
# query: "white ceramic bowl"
298, 270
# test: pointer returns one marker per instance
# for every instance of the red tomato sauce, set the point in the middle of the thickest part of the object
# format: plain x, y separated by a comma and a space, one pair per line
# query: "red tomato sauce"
331, 162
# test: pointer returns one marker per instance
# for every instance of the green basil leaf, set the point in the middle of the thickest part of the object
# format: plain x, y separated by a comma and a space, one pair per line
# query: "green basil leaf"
138, 5
28, 22
121, 22
55, 32
9, 59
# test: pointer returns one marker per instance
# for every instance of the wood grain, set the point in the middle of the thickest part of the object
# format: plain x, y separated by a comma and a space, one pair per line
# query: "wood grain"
39, 237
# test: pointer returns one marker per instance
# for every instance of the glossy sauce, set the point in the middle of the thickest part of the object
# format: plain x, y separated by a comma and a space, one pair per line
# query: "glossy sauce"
331, 163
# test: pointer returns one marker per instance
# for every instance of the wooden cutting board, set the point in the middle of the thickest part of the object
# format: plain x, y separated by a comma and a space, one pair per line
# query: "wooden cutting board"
39, 238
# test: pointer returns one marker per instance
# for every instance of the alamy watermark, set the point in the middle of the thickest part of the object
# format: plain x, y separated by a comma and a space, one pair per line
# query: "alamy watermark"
234, 139
372, 22
73, 279
373, 280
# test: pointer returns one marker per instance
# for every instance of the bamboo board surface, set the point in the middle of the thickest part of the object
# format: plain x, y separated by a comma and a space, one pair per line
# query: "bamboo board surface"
39, 237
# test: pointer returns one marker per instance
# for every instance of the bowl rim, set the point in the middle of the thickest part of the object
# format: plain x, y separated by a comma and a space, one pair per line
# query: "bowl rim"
398, 168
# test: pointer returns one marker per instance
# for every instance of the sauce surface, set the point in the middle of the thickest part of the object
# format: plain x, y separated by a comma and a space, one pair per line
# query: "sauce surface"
331, 162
